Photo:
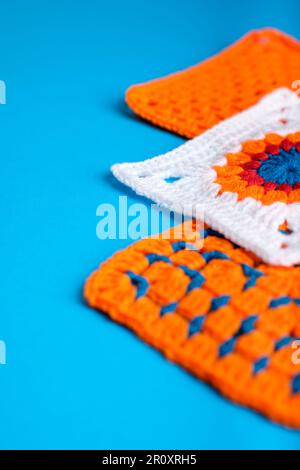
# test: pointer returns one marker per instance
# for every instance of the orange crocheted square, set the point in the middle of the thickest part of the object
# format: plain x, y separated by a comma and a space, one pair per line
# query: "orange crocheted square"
218, 311
194, 100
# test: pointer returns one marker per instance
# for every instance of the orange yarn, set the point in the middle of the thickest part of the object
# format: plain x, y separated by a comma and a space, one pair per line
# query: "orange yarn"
241, 173
192, 101
218, 311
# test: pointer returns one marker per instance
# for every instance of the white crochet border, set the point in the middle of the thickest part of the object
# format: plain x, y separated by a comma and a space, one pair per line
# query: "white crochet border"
248, 222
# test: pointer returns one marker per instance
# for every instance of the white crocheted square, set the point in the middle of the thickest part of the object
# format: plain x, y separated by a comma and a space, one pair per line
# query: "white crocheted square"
244, 174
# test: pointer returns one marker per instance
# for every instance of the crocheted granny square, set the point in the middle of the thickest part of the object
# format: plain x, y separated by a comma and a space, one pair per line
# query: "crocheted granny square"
219, 312
194, 100
244, 174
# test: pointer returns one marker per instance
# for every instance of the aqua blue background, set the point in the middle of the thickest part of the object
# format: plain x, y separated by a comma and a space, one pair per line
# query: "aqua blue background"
73, 378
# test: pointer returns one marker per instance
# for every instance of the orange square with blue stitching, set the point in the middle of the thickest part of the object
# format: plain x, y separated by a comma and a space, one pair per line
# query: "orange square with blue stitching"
217, 310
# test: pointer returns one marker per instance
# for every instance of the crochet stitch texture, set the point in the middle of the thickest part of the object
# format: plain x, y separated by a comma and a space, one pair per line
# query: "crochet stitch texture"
243, 175
217, 311
194, 100
271, 165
